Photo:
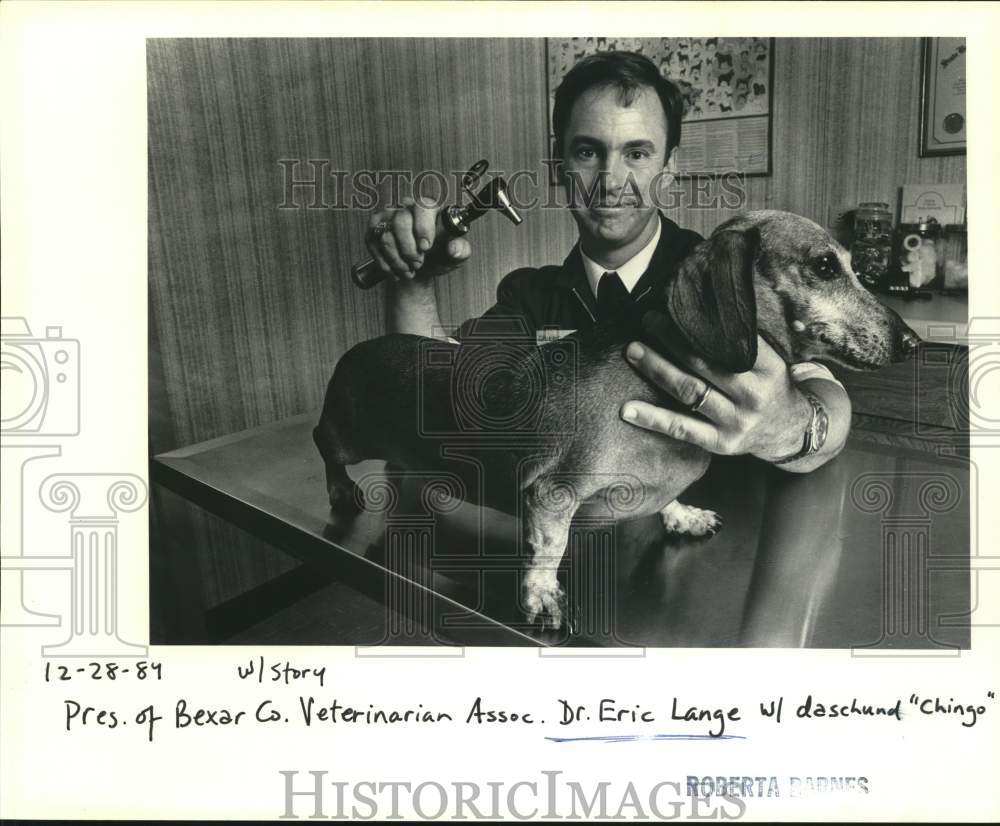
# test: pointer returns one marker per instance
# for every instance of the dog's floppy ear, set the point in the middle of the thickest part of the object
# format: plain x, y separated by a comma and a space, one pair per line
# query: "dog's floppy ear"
711, 299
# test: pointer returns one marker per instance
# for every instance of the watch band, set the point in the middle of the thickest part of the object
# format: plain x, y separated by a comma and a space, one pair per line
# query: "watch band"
815, 435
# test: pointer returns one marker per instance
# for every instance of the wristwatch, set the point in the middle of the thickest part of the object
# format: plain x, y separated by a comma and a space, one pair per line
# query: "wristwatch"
816, 431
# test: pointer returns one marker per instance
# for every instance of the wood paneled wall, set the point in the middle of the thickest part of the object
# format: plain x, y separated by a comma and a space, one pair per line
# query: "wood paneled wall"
251, 305
844, 129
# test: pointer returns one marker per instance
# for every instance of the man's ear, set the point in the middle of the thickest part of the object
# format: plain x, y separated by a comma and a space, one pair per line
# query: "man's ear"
670, 167
661, 193
712, 303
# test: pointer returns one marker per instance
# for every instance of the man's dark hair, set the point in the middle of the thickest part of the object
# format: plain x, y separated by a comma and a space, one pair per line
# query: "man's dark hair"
629, 73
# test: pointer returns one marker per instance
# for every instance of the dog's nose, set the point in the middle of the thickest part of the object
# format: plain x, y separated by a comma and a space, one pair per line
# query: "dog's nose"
909, 342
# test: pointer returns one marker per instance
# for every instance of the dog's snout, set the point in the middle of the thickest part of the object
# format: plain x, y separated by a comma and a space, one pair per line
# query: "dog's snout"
908, 343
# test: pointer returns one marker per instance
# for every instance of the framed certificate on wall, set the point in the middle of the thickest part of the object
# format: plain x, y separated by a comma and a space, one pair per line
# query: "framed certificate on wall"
942, 104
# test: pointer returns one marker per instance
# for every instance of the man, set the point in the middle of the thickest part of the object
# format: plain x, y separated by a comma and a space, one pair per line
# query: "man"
617, 125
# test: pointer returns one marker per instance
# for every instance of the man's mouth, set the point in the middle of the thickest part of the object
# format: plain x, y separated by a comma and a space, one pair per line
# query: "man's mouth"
611, 209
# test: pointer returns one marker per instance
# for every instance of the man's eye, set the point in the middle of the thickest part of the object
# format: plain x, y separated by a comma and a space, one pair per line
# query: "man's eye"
638, 155
827, 266
585, 154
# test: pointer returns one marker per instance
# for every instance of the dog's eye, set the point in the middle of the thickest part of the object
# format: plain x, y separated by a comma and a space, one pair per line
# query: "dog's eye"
827, 266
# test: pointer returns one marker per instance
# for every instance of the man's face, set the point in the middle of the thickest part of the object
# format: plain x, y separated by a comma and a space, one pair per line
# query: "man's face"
614, 152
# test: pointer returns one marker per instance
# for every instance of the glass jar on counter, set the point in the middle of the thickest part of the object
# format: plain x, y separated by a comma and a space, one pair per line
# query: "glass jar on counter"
871, 250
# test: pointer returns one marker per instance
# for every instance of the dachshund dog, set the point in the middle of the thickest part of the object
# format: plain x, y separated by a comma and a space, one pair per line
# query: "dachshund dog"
550, 413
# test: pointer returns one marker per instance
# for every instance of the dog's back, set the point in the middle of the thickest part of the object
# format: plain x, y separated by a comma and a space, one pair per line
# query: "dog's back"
413, 401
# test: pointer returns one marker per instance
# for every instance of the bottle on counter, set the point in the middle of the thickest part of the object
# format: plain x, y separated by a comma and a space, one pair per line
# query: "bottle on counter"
871, 250
917, 251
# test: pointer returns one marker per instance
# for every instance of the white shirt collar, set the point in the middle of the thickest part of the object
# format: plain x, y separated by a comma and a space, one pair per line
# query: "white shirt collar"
630, 272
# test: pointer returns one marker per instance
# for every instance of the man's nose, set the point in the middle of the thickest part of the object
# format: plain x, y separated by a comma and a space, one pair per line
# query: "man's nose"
614, 174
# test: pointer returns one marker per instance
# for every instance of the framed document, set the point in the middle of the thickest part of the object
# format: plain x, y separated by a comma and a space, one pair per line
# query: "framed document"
942, 102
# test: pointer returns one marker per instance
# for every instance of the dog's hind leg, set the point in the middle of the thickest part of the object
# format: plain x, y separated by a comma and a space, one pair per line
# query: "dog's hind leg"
345, 496
680, 518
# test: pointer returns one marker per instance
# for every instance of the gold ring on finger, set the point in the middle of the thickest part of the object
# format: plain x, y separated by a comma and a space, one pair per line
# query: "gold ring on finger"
701, 399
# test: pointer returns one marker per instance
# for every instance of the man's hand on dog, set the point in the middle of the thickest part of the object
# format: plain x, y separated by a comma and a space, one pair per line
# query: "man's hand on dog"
760, 412
402, 242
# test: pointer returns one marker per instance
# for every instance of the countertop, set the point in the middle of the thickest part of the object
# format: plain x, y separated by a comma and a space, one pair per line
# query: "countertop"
943, 319
869, 552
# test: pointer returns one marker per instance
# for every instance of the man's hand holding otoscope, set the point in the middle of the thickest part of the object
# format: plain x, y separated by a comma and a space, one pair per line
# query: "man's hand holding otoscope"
422, 240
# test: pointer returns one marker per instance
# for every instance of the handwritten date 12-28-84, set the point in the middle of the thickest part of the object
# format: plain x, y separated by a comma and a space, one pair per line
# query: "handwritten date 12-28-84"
136, 669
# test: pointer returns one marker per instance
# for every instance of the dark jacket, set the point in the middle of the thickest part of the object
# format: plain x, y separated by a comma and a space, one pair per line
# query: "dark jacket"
559, 297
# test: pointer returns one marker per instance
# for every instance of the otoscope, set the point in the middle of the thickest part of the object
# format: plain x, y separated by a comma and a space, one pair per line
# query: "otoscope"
454, 221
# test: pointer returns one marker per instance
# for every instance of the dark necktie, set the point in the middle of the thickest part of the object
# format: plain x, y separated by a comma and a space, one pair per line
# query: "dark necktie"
613, 300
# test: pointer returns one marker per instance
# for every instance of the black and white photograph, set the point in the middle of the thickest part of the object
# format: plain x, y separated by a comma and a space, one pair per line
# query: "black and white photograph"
560, 411
447, 347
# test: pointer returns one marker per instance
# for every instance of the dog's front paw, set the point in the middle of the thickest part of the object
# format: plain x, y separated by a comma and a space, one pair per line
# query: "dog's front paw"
544, 599
679, 518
